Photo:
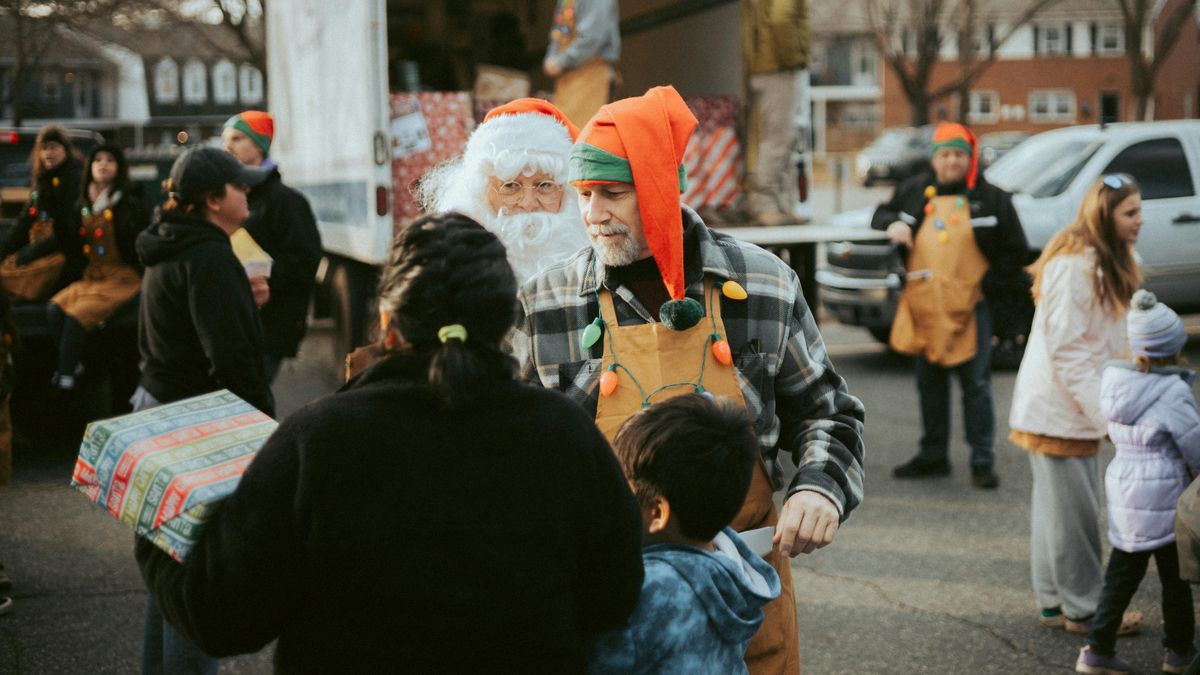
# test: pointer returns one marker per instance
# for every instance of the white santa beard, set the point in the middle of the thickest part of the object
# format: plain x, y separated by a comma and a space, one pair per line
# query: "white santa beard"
538, 239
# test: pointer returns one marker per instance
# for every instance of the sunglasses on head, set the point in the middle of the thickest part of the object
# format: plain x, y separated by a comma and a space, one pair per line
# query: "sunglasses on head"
1118, 180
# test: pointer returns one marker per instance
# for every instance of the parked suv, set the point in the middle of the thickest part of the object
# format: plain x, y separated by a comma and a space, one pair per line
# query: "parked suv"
895, 154
1048, 174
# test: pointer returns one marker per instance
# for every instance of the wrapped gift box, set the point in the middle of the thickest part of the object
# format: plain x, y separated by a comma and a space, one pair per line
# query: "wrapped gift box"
163, 470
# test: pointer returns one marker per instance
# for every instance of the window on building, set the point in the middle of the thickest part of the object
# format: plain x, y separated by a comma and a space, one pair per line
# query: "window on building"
1052, 39
166, 81
224, 82
1160, 167
1052, 105
51, 87
985, 106
250, 84
195, 82
85, 94
1110, 39
862, 63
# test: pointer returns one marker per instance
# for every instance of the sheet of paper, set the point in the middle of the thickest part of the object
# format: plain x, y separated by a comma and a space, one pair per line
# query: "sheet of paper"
759, 540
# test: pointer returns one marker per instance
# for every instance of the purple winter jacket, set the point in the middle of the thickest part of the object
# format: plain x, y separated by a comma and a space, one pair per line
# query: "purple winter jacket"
1154, 423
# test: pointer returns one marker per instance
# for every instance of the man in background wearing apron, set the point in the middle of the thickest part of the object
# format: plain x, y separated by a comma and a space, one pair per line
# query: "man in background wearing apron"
660, 305
585, 45
965, 249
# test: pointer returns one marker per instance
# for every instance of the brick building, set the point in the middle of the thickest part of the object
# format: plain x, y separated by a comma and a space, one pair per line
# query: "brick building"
1067, 66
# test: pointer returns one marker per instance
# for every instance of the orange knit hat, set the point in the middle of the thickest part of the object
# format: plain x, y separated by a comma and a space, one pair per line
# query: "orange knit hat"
954, 135
641, 140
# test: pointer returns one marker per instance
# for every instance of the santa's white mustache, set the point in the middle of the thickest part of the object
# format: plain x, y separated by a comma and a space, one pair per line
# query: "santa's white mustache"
611, 228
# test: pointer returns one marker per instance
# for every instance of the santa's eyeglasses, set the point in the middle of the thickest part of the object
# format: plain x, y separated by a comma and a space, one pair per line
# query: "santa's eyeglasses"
512, 190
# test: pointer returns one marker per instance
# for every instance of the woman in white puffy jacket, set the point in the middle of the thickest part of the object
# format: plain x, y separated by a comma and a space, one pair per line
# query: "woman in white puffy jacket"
1082, 283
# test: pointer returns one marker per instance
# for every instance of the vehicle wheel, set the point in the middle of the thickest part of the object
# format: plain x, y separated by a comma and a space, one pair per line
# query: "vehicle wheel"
341, 308
881, 334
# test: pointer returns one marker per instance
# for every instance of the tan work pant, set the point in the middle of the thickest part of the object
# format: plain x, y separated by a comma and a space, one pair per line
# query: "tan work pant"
771, 142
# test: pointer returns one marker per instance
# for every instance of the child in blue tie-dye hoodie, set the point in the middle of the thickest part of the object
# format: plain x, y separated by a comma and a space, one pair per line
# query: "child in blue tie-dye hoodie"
689, 461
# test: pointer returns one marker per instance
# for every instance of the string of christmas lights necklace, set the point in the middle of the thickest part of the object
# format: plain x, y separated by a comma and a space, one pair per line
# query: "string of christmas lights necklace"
715, 343
938, 223
97, 233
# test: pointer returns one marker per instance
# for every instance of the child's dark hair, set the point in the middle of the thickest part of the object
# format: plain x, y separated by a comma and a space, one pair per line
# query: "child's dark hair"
447, 270
697, 453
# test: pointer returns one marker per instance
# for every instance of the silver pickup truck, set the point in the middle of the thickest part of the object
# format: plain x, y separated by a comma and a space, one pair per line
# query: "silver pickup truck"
1047, 175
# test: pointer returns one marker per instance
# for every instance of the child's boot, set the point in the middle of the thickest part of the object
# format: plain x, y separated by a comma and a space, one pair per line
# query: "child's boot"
1095, 664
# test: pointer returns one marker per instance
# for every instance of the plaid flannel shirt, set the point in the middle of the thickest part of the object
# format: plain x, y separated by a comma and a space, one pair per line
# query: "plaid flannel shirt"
799, 403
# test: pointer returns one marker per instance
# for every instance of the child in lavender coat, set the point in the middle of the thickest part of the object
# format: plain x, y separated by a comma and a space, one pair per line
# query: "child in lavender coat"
1154, 423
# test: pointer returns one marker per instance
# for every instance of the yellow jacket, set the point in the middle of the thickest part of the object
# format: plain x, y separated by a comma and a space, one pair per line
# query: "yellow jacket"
774, 35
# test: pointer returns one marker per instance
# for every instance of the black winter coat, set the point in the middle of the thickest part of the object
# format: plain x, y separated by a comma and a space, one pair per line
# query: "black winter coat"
198, 327
130, 217
379, 531
282, 222
1002, 242
60, 204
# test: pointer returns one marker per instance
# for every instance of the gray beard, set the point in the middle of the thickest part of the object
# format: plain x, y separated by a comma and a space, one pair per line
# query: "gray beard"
626, 253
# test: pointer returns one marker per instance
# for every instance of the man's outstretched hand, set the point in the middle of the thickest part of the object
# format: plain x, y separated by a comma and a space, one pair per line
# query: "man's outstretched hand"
809, 521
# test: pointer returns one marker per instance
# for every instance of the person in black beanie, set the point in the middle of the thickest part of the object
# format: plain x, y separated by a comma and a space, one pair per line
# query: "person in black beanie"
455, 519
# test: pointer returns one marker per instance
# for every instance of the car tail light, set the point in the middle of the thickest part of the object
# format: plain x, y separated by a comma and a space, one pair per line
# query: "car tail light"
381, 200
10, 137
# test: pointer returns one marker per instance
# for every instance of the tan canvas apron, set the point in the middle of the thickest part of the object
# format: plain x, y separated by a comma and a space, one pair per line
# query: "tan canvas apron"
107, 283
659, 356
936, 313
581, 91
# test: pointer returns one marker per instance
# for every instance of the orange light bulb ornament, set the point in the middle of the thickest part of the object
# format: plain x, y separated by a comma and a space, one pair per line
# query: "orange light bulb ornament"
720, 350
608, 381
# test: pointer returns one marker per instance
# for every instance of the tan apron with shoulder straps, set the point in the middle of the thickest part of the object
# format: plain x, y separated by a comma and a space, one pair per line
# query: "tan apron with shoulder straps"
936, 314
659, 356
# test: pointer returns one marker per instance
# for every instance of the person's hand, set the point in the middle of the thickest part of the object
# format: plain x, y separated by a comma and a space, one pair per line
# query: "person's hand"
25, 255
261, 289
900, 233
809, 521
551, 68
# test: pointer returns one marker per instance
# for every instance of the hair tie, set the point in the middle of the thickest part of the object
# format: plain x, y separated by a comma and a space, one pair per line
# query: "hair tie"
454, 331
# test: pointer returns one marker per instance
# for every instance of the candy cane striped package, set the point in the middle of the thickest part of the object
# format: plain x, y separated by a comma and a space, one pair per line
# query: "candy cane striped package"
163, 470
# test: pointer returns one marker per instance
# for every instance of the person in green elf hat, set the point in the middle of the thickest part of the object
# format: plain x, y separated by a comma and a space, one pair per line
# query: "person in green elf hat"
661, 305
282, 222
964, 249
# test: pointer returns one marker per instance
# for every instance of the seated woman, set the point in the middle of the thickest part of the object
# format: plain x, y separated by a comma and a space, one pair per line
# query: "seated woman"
434, 515
111, 216
39, 253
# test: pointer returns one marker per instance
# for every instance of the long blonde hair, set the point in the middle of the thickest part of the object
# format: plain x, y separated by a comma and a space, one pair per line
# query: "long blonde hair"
1119, 276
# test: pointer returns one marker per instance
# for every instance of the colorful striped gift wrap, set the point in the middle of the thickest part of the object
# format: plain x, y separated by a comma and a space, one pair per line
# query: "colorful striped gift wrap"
163, 470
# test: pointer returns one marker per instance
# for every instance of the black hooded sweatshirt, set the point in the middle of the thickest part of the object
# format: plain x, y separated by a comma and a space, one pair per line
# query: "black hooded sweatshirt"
198, 327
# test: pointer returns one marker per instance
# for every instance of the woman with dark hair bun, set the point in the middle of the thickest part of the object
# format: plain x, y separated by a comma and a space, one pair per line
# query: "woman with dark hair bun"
456, 519
111, 214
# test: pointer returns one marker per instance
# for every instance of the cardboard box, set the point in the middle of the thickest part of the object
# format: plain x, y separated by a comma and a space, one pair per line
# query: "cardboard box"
163, 470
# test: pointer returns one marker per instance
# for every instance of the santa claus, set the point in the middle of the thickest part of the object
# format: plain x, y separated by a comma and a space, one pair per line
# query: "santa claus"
512, 179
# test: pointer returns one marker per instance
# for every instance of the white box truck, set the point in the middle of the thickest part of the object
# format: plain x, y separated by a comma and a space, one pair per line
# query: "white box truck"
335, 140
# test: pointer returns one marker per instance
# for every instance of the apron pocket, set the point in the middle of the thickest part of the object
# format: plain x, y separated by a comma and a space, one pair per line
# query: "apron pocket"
579, 379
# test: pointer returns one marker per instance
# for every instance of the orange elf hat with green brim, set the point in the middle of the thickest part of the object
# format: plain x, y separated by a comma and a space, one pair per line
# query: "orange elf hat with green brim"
640, 141
540, 106
954, 135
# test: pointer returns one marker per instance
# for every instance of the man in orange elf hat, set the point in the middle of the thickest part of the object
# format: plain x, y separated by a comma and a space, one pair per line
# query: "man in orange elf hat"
512, 179
660, 305
964, 249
